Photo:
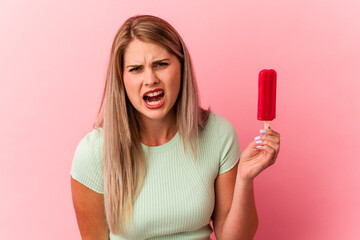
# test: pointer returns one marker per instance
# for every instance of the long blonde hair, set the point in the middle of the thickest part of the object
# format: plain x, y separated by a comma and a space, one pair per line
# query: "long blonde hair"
124, 163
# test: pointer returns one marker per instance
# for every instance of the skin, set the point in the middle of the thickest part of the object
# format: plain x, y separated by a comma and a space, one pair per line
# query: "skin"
90, 212
148, 66
235, 215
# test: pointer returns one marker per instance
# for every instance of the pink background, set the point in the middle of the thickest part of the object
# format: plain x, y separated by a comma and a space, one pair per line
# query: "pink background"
53, 59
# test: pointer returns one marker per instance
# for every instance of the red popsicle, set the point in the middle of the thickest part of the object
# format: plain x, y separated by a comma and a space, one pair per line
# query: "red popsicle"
267, 96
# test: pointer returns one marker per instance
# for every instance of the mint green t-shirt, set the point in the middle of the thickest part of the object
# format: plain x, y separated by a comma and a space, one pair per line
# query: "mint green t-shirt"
177, 198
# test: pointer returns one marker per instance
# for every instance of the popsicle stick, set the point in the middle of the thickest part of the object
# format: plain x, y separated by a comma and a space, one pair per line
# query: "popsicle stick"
266, 125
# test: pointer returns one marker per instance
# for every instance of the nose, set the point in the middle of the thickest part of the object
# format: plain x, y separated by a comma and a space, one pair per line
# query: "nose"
151, 78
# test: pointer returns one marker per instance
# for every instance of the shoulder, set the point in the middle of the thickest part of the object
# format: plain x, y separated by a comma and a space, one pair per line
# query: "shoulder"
220, 125
91, 138
222, 137
91, 142
90, 145
87, 163
219, 132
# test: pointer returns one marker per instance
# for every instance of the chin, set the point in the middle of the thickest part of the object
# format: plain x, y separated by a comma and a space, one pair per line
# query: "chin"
156, 115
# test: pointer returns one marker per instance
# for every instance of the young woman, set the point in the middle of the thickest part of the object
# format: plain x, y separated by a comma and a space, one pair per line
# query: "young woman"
157, 165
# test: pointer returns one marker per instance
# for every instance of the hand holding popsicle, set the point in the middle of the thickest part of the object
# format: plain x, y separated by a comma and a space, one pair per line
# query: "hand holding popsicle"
263, 151
259, 154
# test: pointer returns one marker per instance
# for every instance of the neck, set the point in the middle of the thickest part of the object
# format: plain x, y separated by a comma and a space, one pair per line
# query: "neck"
156, 132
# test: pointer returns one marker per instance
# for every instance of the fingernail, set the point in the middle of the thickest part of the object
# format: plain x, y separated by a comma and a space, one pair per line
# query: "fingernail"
257, 138
259, 141
259, 146
262, 131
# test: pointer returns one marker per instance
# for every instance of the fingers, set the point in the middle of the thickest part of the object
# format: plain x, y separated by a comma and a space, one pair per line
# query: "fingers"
266, 142
269, 135
266, 137
270, 155
269, 142
274, 136
272, 132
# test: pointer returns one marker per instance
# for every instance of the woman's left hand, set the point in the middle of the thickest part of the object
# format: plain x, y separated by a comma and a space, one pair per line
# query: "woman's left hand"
254, 159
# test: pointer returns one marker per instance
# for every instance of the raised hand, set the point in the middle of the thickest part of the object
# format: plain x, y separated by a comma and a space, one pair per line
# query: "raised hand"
259, 154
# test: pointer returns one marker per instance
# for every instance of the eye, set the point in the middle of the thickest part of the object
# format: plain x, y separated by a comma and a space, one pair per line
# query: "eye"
161, 64
134, 69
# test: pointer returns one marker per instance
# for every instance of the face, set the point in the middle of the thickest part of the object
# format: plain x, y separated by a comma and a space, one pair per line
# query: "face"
152, 79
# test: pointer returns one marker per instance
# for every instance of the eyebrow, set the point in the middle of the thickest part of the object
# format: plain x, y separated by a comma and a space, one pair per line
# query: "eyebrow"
156, 61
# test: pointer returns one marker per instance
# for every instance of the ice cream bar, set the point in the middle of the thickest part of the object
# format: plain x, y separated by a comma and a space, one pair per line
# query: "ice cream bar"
267, 96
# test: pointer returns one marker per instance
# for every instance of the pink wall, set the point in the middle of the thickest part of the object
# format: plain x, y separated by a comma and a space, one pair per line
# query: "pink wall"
53, 57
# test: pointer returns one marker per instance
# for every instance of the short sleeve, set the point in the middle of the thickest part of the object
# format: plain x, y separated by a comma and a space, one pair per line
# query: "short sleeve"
87, 166
229, 145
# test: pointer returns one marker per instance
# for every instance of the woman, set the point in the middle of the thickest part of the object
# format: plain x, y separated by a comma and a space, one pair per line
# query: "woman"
157, 165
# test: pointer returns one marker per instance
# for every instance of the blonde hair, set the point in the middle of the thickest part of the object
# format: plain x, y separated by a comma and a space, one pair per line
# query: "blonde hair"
124, 163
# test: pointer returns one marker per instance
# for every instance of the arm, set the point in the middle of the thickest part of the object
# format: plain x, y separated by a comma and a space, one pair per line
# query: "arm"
90, 212
235, 215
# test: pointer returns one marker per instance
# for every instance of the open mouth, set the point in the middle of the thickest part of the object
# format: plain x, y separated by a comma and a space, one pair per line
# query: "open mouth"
154, 98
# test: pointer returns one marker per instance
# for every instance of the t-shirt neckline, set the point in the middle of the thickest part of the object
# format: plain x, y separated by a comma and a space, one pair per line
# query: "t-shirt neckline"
163, 147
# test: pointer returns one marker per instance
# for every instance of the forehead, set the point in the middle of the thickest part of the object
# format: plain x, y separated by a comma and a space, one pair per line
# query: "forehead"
139, 51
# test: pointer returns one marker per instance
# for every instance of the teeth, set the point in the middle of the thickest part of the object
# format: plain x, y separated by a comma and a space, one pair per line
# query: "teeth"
153, 102
153, 94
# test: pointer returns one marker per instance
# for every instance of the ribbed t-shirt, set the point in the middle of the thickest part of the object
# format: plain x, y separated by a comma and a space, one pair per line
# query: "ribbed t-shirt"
178, 197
